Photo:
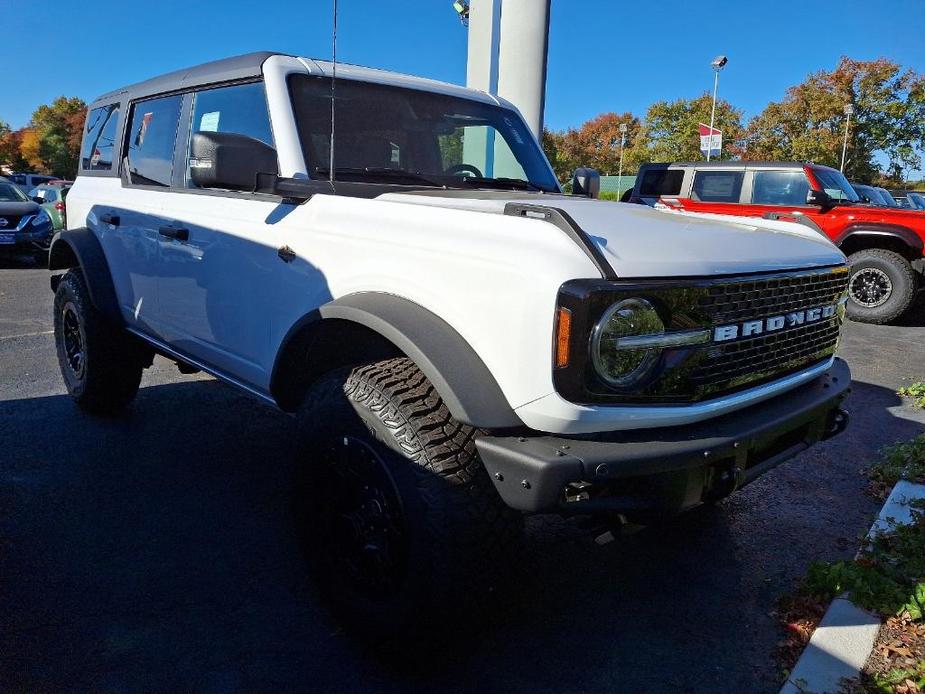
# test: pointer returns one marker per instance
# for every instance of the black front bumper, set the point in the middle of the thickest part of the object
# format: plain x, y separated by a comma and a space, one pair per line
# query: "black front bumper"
658, 471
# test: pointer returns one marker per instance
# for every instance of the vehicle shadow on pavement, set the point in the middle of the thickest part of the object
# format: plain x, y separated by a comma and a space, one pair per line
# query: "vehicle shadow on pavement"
13, 262
157, 552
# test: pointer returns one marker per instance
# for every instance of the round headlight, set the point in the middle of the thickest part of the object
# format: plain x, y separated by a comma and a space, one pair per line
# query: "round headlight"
624, 363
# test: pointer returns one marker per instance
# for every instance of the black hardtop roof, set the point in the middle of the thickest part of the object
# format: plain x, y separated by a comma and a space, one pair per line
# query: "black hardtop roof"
227, 69
737, 164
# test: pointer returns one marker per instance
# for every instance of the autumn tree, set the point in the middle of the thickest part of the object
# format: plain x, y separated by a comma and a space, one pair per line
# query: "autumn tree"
10, 154
30, 146
809, 123
596, 144
672, 133
58, 127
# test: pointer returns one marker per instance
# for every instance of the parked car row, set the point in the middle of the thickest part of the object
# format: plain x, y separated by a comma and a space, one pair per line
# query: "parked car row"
884, 242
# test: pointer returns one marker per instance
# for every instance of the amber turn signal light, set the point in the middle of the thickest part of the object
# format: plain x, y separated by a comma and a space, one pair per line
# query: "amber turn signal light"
563, 336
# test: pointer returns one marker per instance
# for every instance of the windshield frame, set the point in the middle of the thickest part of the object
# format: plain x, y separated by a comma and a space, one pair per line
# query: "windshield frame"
504, 122
831, 179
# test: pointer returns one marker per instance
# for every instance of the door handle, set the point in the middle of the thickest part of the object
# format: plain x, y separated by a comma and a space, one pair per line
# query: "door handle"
107, 218
178, 233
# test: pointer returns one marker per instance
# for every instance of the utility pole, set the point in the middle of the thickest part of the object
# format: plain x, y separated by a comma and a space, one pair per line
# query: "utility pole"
620, 172
849, 109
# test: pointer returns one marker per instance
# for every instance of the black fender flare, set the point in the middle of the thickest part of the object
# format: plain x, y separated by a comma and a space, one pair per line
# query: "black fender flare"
82, 249
897, 231
456, 371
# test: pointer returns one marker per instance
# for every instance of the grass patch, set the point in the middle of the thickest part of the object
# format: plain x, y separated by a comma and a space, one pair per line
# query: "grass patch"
916, 391
888, 576
904, 460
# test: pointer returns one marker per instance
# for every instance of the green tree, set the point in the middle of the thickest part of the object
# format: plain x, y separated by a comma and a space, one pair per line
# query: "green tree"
671, 131
59, 128
809, 123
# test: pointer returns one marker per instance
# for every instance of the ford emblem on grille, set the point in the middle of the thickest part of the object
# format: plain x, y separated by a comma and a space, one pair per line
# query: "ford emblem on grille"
772, 324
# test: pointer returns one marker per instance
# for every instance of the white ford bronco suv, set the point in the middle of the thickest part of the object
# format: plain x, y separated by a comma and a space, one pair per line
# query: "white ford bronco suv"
463, 343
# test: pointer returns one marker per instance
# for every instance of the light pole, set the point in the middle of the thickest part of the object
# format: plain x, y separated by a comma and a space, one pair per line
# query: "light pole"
719, 62
849, 109
620, 172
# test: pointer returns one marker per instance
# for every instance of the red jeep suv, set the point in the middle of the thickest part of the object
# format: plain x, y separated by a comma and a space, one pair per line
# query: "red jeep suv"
884, 245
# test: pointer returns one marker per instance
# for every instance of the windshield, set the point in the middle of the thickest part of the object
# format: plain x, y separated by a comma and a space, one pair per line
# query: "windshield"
835, 184
10, 193
888, 198
917, 199
872, 195
386, 134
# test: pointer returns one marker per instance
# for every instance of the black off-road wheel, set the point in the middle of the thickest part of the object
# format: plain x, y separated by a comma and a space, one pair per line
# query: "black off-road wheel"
882, 286
101, 363
403, 527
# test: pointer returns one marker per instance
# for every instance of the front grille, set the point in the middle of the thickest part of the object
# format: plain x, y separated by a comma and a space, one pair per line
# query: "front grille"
12, 221
742, 301
751, 355
749, 361
769, 355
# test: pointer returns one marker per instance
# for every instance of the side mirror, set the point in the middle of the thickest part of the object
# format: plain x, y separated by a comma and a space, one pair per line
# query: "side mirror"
818, 197
229, 160
36, 198
586, 182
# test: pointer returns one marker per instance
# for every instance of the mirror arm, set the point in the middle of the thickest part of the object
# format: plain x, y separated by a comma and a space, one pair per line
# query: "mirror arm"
291, 188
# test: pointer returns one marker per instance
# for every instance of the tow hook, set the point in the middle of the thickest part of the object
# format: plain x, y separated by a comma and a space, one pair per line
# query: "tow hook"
836, 423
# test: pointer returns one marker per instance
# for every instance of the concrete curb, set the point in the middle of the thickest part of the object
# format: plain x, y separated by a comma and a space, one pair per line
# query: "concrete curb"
842, 642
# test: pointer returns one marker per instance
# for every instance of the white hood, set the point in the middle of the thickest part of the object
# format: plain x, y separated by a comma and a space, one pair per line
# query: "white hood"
639, 241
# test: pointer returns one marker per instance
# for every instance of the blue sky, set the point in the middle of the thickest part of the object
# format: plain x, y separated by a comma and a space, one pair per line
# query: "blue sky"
605, 55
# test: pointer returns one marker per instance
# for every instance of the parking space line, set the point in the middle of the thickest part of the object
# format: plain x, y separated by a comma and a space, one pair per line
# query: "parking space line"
16, 337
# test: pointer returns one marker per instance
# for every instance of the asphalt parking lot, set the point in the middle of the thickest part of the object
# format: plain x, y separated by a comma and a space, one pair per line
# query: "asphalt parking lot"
155, 552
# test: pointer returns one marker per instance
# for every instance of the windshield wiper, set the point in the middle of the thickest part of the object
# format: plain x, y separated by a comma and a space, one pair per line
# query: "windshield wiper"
377, 172
517, 183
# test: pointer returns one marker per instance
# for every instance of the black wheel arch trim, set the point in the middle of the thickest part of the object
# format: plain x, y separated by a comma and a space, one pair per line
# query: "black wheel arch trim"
905, 234
456, 371
82, 249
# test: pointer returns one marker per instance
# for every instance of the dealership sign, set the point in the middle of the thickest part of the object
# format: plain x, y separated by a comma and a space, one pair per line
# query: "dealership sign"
711, 140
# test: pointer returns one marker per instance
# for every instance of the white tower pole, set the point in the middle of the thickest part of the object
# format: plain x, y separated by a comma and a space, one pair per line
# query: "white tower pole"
522, 60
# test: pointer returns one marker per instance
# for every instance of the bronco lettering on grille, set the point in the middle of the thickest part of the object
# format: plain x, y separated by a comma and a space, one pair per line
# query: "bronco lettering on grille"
772, 324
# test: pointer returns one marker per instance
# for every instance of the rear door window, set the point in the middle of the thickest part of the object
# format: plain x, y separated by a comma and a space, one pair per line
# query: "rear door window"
152, 135
658, 182
717, 186
779, 188
99, 138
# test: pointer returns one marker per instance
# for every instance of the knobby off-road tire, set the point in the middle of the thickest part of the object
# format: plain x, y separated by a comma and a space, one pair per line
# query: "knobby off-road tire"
101, 364
882, 286
437, 536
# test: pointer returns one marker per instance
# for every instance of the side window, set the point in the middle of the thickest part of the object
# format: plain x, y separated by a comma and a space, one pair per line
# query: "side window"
780, 188
99, 138
717, 186
239, 109
151, 137
658, 182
